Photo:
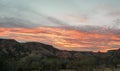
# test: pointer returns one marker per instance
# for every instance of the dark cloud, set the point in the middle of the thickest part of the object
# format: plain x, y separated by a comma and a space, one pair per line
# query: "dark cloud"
15, 22
22, 14
23, 23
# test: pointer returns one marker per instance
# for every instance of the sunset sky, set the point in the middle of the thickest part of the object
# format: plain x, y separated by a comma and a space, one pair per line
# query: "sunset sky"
80, 25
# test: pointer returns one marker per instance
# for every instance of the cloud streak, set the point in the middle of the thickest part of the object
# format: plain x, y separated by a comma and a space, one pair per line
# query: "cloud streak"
68, 39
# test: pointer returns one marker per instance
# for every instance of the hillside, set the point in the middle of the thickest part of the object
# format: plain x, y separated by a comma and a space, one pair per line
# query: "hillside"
30, 56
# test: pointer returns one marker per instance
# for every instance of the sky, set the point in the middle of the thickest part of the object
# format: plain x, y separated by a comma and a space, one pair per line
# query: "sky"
79, 25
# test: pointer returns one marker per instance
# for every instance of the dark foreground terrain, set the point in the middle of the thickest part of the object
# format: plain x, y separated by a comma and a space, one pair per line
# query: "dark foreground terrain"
34, 56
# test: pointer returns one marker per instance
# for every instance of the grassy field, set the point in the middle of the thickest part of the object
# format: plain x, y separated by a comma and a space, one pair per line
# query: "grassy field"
108, 69
105, 69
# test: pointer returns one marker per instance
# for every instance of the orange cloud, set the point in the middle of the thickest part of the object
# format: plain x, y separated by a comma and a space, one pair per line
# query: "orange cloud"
68, 39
